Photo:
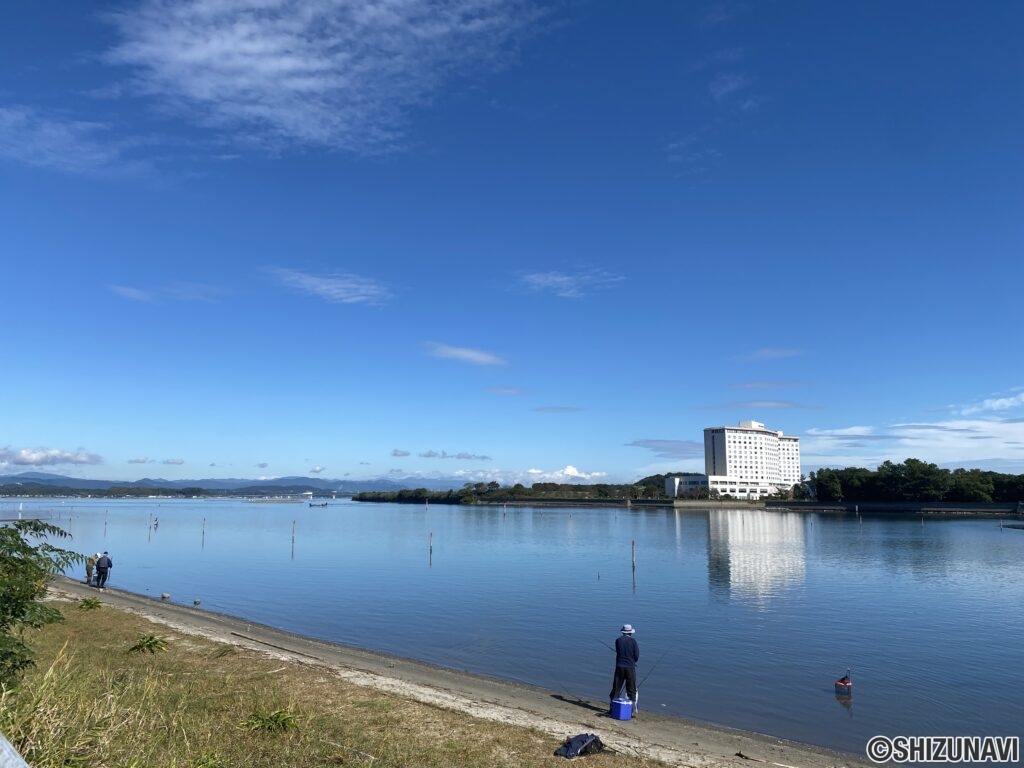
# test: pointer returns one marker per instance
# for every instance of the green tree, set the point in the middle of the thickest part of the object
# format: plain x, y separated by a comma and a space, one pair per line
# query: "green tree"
858, 484
913, 480
971, 485
28, 563
826, 485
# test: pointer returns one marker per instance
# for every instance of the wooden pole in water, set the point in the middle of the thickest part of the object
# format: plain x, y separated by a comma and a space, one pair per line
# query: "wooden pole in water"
634, 554
430, 542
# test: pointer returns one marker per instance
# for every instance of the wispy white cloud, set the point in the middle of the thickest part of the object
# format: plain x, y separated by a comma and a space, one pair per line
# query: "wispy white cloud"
461, 455
755, 404
133, 294
317, 469
693, 153
462, 354
956, 442
671, 449
718, 14
690, 158
341, 288
398, 452
511, 391
857, 431
140, 460
176, 292
46, 457
48, 140
765, 384
194, 292
994, 404
338, 73
725, 85
173, 462
570, 285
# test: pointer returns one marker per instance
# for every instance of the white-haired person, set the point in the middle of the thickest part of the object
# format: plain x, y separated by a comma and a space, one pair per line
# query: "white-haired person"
103, 566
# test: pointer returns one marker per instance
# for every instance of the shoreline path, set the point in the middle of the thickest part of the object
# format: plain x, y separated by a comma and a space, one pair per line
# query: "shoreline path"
672, 740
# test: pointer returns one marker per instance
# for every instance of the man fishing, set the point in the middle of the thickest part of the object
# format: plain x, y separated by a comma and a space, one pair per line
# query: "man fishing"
103, 566
627, 654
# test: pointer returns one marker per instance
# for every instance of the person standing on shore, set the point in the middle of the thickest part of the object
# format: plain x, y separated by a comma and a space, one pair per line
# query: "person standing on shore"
627, 654
90, 566
103, 566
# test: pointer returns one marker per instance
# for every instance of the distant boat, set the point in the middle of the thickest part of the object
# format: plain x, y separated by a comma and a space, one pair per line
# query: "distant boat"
324, 504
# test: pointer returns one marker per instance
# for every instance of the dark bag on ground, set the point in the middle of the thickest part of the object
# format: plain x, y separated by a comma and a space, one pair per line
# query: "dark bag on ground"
582, 744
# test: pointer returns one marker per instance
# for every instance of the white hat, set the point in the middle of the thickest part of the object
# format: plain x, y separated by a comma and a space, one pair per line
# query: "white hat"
627, 629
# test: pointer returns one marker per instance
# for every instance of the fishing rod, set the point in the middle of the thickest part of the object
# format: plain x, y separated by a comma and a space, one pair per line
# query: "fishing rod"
636, 702
651, 670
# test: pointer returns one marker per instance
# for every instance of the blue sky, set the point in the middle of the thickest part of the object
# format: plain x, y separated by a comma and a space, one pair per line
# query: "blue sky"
513, 241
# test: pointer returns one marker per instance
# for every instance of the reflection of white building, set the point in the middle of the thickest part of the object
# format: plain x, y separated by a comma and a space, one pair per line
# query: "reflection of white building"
756, 554
746, 461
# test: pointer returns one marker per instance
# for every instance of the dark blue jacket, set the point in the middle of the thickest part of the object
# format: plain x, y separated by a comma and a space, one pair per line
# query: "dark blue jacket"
627, 652
104, 564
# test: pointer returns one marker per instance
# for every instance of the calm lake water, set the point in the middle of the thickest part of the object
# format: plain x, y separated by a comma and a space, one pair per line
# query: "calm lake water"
744, 617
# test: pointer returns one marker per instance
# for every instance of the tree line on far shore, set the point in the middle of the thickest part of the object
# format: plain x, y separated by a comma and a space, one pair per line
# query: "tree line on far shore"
494, 493
914, 480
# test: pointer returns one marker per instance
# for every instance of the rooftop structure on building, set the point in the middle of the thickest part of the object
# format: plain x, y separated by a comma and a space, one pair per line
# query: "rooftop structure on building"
745, 461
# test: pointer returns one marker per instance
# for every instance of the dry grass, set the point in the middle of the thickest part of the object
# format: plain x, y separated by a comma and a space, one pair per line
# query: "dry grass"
92, 703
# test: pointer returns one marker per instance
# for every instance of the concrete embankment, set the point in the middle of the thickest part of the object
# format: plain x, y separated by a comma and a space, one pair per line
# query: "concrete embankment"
674, 741
952, 508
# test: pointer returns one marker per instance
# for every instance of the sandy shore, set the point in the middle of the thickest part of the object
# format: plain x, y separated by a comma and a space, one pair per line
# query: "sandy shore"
672, 740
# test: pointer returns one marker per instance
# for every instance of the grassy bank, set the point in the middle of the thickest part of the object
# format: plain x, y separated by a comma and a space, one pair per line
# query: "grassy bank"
183, 701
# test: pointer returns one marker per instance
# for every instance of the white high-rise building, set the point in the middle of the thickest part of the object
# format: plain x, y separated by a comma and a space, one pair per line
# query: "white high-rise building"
745, 461
752, 454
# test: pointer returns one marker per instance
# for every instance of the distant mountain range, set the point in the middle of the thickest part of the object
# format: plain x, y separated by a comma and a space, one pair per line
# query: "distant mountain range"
275, 485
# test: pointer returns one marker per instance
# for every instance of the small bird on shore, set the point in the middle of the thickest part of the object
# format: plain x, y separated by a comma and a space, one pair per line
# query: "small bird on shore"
165, 596
197, 601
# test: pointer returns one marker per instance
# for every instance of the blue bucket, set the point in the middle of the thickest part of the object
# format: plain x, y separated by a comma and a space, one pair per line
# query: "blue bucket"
622, 709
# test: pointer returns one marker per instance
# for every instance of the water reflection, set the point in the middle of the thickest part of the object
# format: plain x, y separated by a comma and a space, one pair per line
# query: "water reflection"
753, 554
846, 702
